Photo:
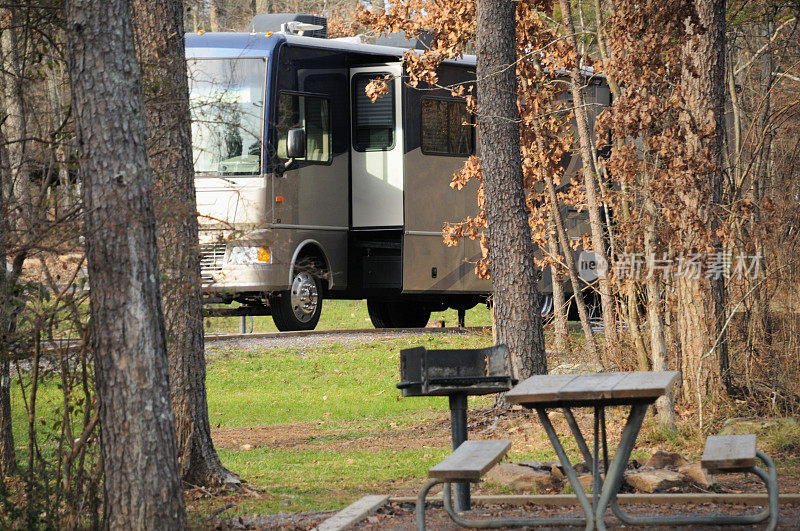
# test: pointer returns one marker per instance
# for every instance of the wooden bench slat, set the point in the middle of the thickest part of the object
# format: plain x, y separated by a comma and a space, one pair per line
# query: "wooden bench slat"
470, 461
644, 384
729, 452
591, 386
539, 388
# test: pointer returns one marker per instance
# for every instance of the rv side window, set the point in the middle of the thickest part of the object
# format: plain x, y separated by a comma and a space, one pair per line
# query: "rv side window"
312, 114
373, 122
445, 128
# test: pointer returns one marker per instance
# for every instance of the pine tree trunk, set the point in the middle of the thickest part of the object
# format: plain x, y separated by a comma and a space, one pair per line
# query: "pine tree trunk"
158, 27
142, 485
702, 302
514, 273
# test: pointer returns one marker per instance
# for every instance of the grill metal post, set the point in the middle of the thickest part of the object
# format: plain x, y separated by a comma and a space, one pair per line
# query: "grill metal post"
456, 374
458, 431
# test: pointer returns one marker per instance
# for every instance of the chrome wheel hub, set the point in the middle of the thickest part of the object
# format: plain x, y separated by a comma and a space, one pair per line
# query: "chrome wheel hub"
305, 298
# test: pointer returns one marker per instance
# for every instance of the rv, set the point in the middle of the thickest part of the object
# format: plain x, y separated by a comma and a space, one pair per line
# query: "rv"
308, 190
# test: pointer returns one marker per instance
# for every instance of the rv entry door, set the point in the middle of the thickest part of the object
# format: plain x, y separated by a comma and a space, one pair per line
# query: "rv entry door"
377, 148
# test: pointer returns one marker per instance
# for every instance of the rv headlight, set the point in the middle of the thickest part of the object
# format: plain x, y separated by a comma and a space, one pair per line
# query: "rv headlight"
249, 255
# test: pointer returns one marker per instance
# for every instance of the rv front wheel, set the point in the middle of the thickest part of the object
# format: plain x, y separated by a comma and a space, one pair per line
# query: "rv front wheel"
300, 307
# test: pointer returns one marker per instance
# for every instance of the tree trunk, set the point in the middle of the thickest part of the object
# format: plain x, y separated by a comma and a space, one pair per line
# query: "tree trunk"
630, 302
658, 346
17, 212
583, 314
702, 316
7, 452
514, 273
142, 485
218, 15
560, 332
15, 124
632, 307
157, 26
589, 175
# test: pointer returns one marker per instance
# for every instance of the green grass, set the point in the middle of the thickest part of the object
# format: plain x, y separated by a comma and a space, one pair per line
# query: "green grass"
343, 393
342, 314
331, 382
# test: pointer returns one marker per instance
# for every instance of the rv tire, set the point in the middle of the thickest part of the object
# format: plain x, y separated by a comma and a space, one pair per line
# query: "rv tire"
398, 313
300, 307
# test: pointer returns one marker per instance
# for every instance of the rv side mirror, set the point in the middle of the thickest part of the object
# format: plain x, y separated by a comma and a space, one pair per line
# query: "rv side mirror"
296, 143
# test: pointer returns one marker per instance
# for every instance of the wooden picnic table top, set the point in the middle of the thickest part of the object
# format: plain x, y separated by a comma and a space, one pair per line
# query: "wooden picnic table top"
585, 389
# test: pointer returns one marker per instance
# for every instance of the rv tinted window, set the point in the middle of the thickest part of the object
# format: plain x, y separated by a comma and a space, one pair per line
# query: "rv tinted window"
445, 128
227, 106
312, 114
373, 122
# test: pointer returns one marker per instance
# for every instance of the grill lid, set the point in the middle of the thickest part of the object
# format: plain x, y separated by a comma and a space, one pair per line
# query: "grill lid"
444, 372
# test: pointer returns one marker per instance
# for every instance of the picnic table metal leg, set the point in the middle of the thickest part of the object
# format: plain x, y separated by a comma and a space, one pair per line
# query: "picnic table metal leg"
604, 439
772, 489
620, 462
769, 477
576, 432
419, 511
568, 469
458, 431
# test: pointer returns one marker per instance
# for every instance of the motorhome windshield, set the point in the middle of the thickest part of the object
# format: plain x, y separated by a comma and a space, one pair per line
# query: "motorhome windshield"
227, 105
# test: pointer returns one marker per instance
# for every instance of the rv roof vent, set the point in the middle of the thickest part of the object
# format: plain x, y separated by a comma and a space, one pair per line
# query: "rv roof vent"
291, 23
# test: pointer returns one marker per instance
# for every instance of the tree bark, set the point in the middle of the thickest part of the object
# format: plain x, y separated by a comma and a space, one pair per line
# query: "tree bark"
514, 272
589, 175
158, 27
142, 485
702, 317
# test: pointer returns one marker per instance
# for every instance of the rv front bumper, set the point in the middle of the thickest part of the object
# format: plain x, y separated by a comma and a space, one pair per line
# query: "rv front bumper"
239, 267
243, 279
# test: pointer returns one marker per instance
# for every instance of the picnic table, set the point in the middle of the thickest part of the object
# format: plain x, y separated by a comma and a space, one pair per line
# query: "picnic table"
722, 454
598, 391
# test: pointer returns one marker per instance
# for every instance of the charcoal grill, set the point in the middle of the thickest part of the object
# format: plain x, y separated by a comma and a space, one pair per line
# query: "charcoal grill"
480, 371
456, 374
